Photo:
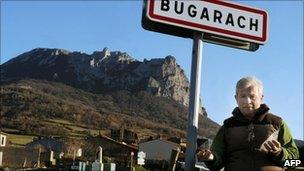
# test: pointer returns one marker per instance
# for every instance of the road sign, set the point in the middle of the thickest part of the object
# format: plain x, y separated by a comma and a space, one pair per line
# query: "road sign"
141, 154
141, 158
140, 161
215, 17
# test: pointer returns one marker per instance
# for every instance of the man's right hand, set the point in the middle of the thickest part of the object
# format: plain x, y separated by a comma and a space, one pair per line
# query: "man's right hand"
205, 155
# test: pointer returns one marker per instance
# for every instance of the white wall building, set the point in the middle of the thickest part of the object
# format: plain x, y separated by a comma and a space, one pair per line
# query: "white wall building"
2, 139
158, 149
2, 144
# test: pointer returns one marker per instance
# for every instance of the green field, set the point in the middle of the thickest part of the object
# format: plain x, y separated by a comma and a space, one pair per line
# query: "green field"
20, 140
75, 129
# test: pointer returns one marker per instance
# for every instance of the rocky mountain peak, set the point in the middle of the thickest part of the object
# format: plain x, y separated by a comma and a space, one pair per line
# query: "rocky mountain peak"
101, 54
47, 51
102, 71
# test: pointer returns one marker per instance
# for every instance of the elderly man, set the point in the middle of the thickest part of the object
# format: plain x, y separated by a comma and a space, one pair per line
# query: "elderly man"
253, 139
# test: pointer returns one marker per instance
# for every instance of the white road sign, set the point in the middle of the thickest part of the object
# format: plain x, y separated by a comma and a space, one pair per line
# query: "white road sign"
140, 161
141, 158
217, 17
141, 154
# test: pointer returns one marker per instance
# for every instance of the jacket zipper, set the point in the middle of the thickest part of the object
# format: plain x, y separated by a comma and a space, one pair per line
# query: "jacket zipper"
250, 139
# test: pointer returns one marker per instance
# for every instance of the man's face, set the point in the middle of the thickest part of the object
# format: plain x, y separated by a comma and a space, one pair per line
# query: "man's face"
249, 100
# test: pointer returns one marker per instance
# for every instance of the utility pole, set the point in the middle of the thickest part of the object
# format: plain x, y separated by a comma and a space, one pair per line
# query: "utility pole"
131, 165
194, 101
39, 152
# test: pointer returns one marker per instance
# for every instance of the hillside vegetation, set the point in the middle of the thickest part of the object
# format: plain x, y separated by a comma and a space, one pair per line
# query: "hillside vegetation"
41, 107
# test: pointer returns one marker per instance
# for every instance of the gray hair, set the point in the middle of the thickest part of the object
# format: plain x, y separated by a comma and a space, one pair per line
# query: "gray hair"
250, 81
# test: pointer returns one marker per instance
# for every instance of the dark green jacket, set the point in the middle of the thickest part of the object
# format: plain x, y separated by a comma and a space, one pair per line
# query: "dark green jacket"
236, 144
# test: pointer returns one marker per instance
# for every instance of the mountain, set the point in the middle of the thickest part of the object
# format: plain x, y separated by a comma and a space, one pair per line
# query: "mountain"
103, 90
102, 72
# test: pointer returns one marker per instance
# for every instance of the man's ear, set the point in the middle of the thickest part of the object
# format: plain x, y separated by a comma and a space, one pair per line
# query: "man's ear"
262, 97
235, 96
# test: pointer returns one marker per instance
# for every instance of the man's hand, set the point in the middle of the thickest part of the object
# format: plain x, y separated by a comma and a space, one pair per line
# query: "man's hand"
272, 147
205, 155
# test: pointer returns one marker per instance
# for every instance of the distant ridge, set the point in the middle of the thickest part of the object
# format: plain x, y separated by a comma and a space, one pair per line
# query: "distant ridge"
106, 89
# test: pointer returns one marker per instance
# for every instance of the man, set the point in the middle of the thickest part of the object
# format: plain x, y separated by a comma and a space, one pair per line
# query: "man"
252, 139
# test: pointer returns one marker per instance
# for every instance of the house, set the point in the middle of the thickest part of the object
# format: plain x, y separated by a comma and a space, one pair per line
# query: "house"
159, 149
160, 154
2, 144
3, 139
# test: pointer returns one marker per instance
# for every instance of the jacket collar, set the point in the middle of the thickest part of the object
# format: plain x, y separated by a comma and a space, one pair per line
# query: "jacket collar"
258, 116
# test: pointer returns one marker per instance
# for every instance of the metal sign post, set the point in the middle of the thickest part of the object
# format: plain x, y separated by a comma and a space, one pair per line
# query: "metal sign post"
194, 101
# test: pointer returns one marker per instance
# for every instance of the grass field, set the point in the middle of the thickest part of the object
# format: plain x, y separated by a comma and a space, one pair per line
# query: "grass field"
20, 140
75, 129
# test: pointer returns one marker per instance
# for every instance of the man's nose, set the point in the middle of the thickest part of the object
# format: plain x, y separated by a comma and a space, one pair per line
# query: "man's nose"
247, 100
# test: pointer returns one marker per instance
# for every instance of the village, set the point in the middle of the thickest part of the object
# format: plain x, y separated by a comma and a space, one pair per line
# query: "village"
120, 150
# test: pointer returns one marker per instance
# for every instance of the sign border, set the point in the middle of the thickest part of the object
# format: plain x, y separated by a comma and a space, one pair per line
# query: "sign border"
210, 29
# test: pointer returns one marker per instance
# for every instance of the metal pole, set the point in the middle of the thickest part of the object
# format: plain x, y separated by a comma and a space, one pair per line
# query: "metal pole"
194, 101
131, 165
39, 153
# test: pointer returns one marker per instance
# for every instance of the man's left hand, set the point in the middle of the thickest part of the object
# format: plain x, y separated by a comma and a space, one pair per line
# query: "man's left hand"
272, 147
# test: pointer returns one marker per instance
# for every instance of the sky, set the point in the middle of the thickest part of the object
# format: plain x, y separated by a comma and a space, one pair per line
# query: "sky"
88, 26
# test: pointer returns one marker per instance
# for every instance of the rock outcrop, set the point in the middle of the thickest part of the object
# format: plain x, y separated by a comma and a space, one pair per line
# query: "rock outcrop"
102, 71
